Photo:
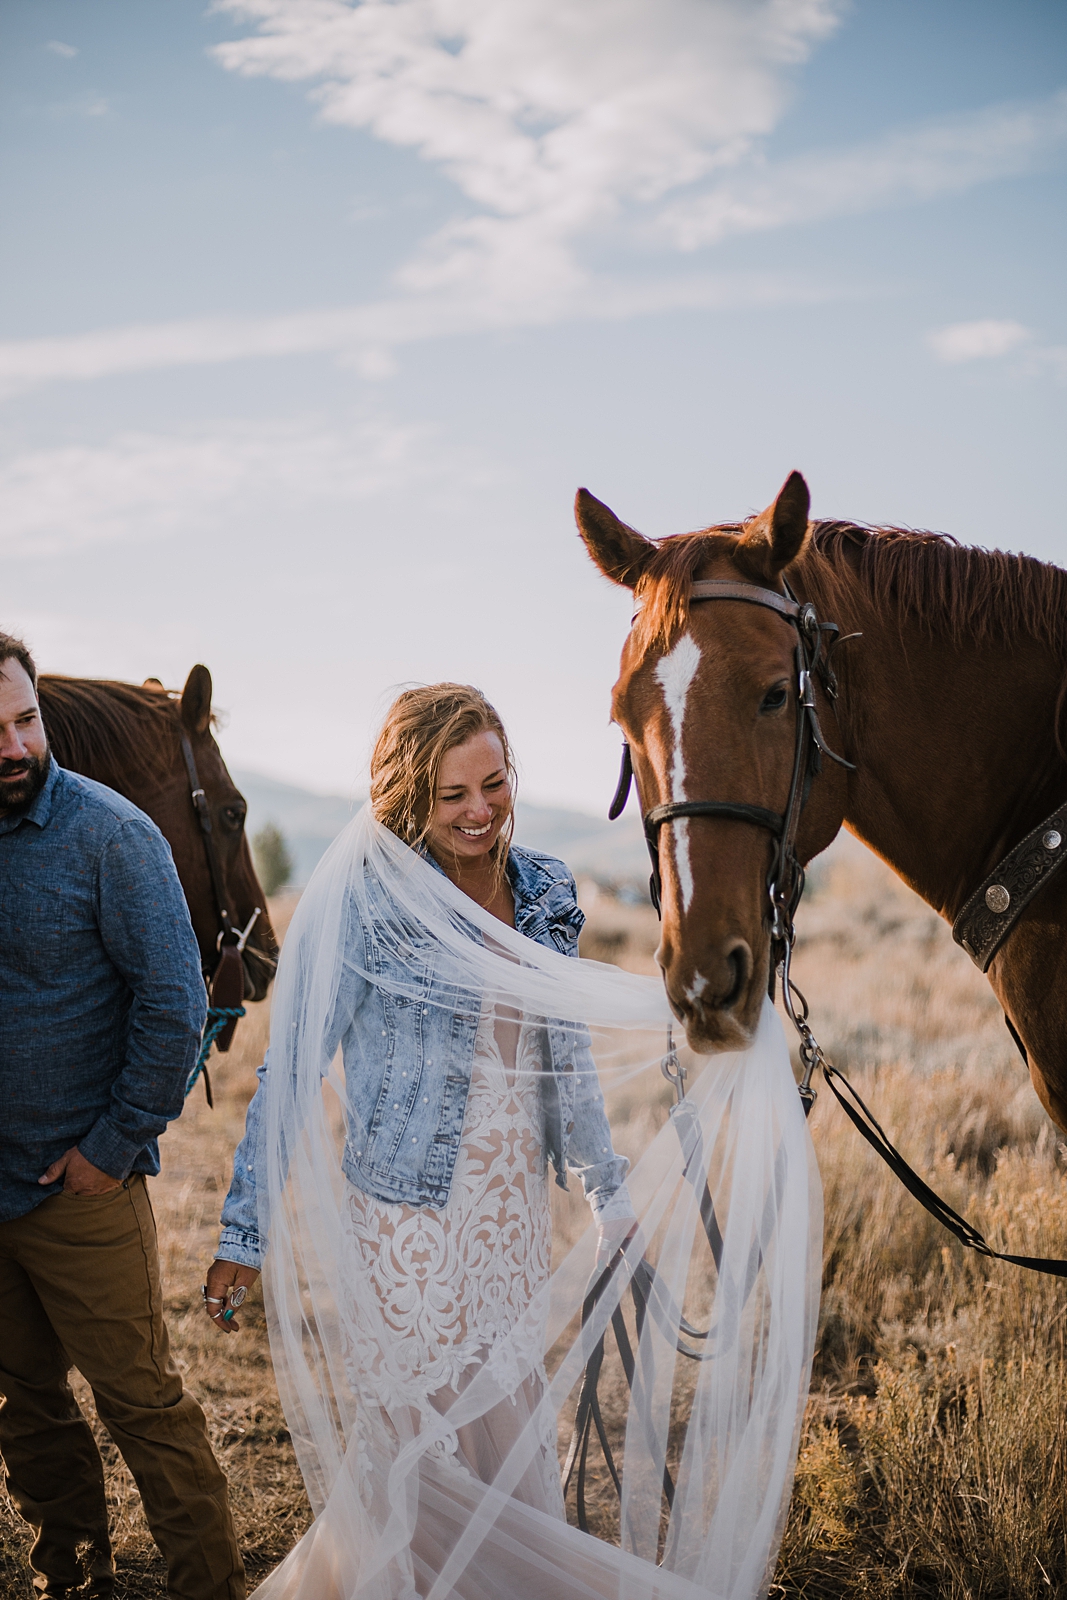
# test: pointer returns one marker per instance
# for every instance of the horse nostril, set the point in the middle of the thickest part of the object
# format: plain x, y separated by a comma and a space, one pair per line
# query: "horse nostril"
739, 962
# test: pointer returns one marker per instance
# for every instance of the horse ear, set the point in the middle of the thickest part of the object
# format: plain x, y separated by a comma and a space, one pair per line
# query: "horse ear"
154, 683
621, 554
775, 538
196, 701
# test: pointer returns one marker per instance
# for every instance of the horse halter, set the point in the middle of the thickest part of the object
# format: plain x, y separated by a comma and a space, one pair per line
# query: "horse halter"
785, 880
226, 979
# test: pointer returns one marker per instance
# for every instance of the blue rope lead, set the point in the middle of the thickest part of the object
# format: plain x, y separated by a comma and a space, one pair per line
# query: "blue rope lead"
218, 1017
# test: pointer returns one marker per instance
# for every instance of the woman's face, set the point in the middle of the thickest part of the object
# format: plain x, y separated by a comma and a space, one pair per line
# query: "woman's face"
473, 800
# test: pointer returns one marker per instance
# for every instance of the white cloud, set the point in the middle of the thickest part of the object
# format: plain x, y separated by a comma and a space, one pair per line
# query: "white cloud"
550, 116
58, 48
977, 341
562, 122
912, 164
365, 336
146, 486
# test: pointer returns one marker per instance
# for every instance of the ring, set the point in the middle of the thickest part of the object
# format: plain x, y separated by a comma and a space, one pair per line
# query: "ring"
225, 1315
238, 1296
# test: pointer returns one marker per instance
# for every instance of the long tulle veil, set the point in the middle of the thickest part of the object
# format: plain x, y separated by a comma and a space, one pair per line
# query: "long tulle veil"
381, 1479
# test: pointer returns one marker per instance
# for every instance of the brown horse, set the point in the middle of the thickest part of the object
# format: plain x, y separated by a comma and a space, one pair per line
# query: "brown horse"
950, 706
129, 736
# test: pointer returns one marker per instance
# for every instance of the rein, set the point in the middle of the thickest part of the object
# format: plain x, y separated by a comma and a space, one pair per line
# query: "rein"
227, 978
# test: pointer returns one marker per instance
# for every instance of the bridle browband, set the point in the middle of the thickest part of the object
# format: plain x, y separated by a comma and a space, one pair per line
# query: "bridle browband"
815, 642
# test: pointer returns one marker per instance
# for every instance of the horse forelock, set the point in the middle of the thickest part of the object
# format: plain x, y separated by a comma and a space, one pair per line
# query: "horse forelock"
662, 593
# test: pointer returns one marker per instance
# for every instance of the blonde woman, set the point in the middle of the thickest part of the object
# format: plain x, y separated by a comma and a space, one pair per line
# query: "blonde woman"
455, 1111
431, 1063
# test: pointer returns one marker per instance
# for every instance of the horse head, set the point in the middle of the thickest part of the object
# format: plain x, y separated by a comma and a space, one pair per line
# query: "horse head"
707, 701
226, 811
130, 737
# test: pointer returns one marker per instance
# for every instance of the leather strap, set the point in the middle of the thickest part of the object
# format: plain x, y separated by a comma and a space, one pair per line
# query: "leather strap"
1000, 900
754, 593
734, 810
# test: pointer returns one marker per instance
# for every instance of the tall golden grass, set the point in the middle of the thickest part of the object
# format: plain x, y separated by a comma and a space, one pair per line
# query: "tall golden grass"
934, 1455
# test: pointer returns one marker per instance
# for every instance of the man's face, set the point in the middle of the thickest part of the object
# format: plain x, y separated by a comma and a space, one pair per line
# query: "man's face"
23, 744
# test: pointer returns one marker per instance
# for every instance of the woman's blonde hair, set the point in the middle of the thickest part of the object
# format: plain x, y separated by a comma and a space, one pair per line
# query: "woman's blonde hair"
420, 726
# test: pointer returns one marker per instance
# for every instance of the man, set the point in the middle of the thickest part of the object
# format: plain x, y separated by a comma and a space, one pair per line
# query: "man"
101, 1009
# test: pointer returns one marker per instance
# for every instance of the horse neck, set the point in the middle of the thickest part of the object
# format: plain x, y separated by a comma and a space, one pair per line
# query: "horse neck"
955, 747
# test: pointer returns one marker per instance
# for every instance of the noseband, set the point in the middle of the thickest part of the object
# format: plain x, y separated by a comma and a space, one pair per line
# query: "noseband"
785, 880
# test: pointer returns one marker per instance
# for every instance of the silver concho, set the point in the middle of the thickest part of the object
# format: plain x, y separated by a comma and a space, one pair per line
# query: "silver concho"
1051, 840
238, 1296
997, 898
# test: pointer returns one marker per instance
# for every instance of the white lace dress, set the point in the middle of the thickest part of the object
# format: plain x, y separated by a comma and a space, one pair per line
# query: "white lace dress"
448, 1294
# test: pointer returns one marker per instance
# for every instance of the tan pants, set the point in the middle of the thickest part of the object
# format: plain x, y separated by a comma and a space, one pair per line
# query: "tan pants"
79, 1286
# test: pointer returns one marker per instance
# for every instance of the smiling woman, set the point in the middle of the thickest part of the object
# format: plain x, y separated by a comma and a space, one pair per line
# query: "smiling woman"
424, 1347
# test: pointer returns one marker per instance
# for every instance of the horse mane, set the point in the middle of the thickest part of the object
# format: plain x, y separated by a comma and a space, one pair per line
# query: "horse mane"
964, 593
960, 592
108, 730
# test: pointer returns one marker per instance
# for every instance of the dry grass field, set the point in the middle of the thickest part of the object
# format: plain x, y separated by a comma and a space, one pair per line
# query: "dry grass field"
934, 1456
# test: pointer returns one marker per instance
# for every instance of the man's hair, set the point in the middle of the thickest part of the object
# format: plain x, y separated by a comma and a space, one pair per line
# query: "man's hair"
12, 649
421, 726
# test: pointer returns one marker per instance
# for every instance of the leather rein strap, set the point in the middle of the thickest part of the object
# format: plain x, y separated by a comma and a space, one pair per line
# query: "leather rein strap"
227, 932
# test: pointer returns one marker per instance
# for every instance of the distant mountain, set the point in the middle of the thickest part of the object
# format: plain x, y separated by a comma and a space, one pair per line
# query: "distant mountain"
610, 852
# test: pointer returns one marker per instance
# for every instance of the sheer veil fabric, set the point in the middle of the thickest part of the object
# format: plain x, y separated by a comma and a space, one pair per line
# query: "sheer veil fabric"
428, 1360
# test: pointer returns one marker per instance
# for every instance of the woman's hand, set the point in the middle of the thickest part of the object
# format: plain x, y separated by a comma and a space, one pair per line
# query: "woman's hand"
612, 1237
225, 1289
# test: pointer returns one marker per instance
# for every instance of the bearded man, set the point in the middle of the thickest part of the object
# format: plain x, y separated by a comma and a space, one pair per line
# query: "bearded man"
102, 1004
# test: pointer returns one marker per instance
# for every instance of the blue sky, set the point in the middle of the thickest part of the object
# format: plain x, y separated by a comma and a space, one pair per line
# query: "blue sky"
314, 315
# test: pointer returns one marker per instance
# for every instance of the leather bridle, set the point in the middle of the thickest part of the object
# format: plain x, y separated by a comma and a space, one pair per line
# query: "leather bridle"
815, 642
226, 978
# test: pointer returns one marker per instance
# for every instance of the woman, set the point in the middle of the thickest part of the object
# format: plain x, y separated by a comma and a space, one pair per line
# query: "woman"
410, 1250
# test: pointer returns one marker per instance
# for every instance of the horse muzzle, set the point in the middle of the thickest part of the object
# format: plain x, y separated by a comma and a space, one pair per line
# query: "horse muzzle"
717, 1000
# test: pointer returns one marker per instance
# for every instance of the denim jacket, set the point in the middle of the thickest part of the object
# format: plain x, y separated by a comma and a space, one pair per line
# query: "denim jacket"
408, 1070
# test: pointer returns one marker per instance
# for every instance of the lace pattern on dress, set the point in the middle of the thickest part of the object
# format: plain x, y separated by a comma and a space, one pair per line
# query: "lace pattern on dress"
438, 1295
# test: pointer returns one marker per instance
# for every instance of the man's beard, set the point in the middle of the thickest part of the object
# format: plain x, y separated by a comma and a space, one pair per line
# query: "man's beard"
15, 796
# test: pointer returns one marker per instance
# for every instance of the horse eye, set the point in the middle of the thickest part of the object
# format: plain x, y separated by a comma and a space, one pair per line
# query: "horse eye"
774, 699
234, 816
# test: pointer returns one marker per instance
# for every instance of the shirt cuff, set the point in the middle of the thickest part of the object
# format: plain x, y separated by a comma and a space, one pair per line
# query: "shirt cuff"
612, 1206
246, 1249
110, 1150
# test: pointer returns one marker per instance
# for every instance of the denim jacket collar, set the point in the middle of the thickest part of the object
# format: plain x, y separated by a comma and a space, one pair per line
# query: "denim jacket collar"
544, 895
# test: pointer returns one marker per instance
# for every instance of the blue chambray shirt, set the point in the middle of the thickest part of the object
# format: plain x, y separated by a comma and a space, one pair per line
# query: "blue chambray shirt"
102, 1003
408, 1067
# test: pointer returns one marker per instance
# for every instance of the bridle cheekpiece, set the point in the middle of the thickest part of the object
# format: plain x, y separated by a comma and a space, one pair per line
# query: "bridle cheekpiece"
815, 642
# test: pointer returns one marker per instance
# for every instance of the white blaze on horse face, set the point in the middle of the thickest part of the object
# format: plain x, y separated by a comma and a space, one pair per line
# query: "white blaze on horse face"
675, 672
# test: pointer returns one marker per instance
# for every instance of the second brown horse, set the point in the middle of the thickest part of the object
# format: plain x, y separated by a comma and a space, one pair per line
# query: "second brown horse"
129, 736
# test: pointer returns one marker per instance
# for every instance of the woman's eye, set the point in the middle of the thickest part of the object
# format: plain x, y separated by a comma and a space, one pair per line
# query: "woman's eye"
774, 699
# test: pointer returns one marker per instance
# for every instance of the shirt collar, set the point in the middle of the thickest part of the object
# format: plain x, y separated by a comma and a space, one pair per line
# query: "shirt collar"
40, 811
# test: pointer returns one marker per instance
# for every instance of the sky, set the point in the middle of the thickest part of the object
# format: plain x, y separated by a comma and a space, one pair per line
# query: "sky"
314, 315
